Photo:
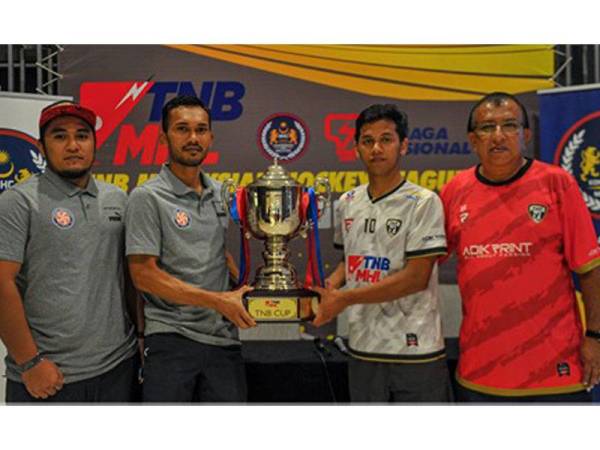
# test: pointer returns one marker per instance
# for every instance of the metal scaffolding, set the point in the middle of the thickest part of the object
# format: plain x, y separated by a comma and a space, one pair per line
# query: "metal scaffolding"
34, 68
30, 68
577, 65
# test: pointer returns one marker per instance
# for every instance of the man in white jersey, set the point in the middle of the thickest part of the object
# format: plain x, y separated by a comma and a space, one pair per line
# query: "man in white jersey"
391, 232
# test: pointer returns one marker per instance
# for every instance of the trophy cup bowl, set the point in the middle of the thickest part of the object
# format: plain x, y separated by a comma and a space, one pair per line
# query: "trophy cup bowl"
274, 215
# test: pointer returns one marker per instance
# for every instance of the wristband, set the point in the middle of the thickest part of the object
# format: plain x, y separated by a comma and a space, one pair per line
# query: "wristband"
27, 365
592, 334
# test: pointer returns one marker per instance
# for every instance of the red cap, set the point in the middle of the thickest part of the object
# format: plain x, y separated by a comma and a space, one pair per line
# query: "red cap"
67, 109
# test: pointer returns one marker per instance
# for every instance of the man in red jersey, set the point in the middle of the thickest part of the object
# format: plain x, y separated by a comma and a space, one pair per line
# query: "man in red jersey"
519, 227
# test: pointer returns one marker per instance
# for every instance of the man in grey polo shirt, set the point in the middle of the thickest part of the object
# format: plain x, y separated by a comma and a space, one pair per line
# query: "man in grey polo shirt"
176, 225
62, 308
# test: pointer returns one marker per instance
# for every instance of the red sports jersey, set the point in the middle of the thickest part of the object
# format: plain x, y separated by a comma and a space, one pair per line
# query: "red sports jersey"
516, 243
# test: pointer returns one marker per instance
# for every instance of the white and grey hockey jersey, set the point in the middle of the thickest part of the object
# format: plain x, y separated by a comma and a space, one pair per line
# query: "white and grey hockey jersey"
378, 237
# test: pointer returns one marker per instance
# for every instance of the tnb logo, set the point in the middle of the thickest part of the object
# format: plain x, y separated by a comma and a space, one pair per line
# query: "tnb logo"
367, 268
114, 101
339, 129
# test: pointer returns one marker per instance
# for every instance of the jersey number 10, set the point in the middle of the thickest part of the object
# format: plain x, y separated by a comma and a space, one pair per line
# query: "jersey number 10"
370, 225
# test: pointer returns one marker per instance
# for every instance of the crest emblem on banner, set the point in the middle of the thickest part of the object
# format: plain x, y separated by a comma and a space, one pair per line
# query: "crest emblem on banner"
579, 154
392, 226
537, 212
19, 158
282, 136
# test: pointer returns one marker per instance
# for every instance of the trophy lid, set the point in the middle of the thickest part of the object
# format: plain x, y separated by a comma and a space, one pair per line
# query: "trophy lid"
275, 176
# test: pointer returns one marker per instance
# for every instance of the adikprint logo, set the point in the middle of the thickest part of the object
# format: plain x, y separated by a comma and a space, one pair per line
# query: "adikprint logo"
500, 250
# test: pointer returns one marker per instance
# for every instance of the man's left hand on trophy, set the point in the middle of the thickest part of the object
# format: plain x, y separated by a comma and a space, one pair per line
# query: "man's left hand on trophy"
331, 305
232, 307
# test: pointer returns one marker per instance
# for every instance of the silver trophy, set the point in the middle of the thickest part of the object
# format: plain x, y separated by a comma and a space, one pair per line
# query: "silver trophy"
273, 214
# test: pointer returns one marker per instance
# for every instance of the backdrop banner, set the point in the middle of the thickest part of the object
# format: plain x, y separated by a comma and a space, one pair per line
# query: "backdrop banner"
258, 94
570, 138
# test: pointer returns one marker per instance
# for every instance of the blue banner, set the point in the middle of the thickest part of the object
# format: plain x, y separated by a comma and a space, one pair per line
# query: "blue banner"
570, 137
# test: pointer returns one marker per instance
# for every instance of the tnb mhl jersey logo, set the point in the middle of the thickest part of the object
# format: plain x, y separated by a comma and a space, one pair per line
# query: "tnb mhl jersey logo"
367, 268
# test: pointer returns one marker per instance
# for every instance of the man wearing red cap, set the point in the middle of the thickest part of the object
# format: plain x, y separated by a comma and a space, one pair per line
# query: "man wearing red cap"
62, 314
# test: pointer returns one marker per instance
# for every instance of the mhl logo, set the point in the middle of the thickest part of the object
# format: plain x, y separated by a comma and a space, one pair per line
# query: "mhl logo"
367, 268
114, 101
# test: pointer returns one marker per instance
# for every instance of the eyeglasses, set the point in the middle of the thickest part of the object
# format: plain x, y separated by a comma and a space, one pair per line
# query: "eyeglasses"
507, 128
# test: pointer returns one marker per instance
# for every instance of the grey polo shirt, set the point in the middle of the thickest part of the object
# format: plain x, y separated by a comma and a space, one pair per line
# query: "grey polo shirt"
186, 231
70, 243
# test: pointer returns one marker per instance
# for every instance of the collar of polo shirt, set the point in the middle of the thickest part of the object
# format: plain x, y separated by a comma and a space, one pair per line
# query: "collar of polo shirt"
179, 187
69, 189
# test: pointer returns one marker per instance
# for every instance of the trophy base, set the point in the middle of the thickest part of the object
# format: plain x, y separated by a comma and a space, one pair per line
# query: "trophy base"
281, 306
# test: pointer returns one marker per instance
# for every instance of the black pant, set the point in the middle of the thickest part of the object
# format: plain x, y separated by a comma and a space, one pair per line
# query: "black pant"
118, 385
177, 369
470, 396
399, 383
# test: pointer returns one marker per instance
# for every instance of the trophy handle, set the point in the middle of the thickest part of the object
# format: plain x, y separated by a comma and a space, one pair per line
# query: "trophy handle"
323, 198
228, 193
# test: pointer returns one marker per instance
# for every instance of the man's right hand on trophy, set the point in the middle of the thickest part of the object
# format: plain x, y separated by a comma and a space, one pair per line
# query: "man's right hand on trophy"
232, 307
